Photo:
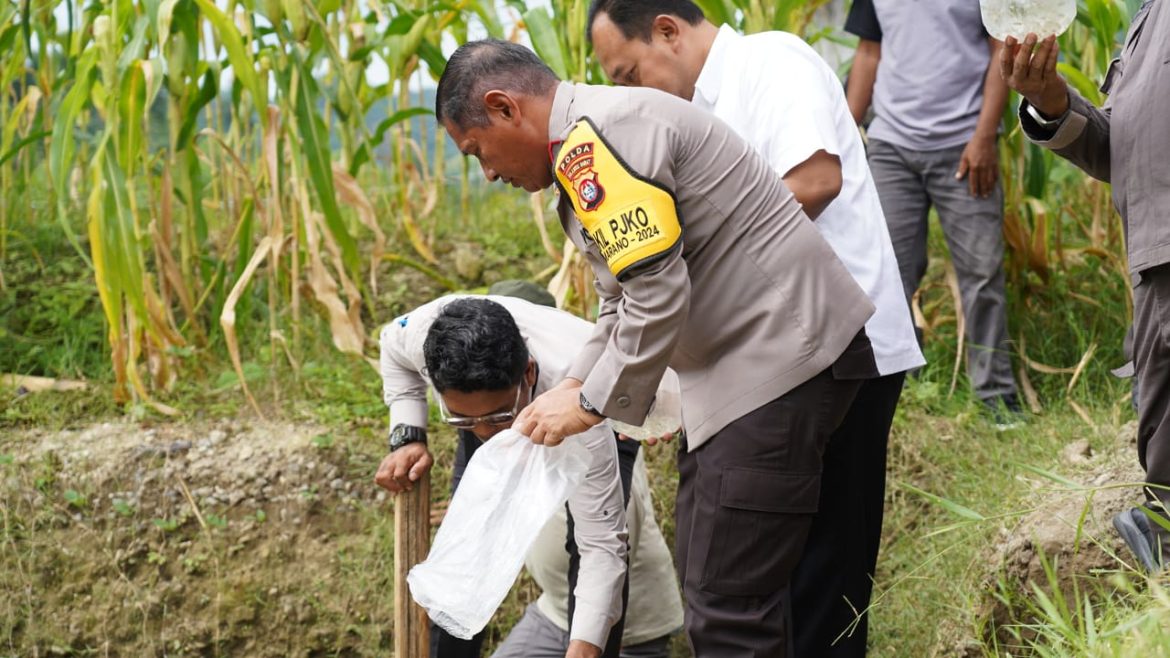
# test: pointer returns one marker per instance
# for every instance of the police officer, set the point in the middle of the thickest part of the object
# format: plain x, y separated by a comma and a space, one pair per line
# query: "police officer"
704, 260
1124, 143
777, 93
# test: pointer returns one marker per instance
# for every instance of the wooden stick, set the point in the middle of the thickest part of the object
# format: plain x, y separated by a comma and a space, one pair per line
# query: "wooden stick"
412, 540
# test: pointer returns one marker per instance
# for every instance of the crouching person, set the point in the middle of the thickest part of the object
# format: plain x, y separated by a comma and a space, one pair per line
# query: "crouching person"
486, 359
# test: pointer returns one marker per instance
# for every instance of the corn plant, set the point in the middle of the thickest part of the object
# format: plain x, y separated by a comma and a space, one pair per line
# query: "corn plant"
220, 149
750, 16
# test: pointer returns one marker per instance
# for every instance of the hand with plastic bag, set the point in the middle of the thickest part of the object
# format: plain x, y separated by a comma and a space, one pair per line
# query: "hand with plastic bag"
510, 489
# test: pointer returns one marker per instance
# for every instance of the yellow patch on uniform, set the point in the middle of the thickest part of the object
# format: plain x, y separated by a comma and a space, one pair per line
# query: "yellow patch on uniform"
632, 220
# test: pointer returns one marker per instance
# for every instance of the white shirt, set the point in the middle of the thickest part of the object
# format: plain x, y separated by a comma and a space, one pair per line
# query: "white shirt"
553, 338
655, 608
776, 92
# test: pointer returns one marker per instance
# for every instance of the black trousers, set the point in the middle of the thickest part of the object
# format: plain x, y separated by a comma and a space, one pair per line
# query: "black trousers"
746, 503
833, 581
445, 645
1151, 358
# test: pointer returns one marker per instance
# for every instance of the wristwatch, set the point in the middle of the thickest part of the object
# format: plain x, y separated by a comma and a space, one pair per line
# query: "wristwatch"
589, 408
403, 434
1047, 124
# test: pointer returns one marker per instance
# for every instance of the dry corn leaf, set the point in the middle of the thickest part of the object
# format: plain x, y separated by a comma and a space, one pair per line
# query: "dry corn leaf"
1080, 367
960, 320
227, 318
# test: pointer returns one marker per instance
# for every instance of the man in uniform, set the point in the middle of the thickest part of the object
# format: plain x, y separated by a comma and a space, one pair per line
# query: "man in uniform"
1124, 143
704, 261
780, 96
929, 69
485, 369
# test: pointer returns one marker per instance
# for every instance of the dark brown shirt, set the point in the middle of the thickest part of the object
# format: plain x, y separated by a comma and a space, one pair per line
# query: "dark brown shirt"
1127, 141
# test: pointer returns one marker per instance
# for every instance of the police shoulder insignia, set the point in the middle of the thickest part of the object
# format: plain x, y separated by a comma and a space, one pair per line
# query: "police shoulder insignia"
632, 220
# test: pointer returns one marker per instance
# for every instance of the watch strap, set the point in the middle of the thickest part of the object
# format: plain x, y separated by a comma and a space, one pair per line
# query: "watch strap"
587, 406
403, 434
1047, 124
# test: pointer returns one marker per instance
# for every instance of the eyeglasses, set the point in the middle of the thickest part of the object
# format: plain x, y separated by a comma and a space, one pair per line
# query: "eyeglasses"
498, 419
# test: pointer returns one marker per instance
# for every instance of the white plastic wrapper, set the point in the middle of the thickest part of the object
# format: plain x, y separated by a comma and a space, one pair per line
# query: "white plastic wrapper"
1019, 17
665, 415
511, 488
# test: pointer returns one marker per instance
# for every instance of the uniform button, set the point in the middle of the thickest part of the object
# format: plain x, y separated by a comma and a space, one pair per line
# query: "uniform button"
623, 401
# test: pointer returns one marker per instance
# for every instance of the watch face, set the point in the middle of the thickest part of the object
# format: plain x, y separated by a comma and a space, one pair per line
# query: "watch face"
403, 435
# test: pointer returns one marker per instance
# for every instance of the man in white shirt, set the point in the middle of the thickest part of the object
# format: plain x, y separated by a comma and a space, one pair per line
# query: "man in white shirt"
487, 357
779, 95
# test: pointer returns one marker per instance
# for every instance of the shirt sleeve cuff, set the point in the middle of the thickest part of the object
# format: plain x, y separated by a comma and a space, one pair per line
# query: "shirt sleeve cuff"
590, 624
409, 412
1070, 128
630, 404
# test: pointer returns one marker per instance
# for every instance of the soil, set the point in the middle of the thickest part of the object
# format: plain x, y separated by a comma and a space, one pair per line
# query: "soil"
1069, 531
257, 539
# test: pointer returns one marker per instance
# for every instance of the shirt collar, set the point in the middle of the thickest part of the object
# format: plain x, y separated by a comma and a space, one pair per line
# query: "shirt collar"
711, 77
560, 118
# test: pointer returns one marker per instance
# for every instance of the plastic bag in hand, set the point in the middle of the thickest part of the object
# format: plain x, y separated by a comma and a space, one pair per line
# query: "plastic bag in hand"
510, 489
665, 415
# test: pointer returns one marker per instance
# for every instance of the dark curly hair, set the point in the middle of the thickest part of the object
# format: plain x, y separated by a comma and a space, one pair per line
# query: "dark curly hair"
474, 345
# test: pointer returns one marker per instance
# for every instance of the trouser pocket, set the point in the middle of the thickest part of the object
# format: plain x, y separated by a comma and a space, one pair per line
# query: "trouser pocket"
759, 530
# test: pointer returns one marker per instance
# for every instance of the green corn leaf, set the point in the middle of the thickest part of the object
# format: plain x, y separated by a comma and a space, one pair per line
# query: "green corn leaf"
363, 154
315, 143
132, 107
207, 93
547, 42
436, 62
1081, 83
121, 234
238, 55
719, 11
62, 147
137, 46
33, 138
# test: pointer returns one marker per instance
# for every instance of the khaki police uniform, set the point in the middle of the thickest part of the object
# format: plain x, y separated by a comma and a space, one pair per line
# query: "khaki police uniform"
705, 261
1126, 143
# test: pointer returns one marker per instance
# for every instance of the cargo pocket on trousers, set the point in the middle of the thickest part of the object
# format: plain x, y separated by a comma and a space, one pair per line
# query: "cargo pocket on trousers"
759, 530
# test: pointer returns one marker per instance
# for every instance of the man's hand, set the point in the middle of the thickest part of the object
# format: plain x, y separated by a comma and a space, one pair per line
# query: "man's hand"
403, 467
555, 414
979, 164
1033, 74
582, 649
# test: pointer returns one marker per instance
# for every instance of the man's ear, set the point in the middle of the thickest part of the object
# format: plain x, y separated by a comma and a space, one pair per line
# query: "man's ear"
530, 372
666, 27
503, 105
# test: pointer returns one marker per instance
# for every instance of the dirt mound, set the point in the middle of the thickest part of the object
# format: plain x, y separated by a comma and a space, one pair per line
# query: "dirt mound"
1069, 529
222, 465
231, 538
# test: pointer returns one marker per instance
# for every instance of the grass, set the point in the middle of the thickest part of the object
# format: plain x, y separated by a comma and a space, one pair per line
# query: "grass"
190, 589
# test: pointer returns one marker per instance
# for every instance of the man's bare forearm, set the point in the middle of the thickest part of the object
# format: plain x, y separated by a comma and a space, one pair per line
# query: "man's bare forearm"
995, 94
863, 74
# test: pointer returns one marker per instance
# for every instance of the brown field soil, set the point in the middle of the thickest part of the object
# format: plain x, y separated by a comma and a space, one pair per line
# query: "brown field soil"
233, 539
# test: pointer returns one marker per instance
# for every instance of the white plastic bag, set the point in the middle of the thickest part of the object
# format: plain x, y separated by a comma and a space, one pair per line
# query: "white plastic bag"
510, 489
665, 415
1019, 17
